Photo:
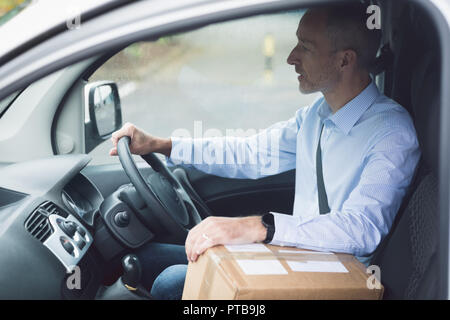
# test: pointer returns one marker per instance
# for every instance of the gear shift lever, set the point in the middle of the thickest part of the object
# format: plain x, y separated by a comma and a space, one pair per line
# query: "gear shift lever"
128, 286
132, 272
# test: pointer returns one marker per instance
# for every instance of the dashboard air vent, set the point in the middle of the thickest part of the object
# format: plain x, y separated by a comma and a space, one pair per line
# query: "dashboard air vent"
51, 208
37, 223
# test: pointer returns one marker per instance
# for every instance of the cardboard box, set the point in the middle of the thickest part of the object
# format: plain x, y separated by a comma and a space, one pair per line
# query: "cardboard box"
261, 271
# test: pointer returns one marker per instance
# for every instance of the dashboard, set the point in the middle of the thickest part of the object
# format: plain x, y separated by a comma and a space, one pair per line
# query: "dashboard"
47, 213
56, 227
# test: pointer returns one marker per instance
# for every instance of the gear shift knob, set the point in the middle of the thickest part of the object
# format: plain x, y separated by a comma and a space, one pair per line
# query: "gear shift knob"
132, 271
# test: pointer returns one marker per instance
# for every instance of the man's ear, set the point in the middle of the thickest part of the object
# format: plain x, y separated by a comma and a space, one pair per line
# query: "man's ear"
348, 58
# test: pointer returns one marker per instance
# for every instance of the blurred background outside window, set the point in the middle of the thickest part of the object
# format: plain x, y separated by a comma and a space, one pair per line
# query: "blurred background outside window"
227, 78
9, 8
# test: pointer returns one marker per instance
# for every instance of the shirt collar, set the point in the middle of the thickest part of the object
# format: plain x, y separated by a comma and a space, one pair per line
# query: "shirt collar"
346, 117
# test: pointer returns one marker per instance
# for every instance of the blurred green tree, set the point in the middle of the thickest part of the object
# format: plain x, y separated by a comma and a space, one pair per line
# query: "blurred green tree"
9, 8
6, 5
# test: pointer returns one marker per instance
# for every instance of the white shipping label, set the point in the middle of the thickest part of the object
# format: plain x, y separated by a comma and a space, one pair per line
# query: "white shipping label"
317, 266
261, 267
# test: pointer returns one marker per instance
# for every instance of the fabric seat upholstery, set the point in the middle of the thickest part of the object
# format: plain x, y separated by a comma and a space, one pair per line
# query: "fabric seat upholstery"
407, 257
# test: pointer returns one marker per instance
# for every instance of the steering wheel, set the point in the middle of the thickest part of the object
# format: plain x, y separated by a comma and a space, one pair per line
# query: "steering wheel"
163, 194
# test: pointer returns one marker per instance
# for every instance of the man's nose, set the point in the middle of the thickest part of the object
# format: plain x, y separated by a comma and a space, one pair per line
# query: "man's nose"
292, 59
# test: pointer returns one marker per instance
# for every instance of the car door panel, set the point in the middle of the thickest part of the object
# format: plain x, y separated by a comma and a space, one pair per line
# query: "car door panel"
240, 197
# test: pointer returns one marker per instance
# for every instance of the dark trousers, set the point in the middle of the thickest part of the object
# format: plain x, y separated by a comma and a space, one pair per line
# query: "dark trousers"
164, 269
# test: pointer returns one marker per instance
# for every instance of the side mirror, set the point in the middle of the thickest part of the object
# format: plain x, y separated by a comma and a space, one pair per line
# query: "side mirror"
103, 113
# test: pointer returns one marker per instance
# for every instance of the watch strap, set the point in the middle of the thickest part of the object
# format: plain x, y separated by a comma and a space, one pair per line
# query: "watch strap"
268, 221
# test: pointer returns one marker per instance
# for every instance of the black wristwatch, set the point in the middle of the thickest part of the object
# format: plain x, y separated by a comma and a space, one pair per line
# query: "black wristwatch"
268, 221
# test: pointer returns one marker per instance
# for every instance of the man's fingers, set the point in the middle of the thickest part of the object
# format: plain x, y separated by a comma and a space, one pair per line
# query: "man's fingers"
113, 151
190, 249
202, 243
194, 249
189, 244
126, 130
192, 237
115, 137
205, 243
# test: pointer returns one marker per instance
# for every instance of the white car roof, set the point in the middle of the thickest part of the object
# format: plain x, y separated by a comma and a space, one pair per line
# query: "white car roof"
41, 16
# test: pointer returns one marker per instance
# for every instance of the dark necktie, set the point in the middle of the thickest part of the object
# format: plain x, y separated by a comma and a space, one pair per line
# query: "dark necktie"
323, 200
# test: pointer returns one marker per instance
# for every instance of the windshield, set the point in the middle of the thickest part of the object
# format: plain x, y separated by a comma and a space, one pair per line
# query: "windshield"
10, 8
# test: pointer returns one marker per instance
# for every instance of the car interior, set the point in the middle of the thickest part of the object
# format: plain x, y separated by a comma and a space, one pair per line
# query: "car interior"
56, 213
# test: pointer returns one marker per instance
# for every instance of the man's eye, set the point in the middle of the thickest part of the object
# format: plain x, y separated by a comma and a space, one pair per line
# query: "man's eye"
304, 48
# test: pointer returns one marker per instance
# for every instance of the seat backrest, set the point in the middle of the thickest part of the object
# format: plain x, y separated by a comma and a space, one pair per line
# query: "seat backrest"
407, 257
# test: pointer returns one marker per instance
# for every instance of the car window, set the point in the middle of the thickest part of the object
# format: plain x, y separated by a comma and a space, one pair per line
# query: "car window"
230, 78
10, 8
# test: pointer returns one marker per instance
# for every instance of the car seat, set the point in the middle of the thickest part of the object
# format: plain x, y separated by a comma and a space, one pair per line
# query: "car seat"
408, 256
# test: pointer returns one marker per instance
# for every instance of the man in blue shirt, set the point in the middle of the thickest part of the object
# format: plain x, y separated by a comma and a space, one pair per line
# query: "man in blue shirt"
368, 149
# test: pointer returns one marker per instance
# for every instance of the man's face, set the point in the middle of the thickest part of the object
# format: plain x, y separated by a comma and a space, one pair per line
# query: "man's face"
313, 56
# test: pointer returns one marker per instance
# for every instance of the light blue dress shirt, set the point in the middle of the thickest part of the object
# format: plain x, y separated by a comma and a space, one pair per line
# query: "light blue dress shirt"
369, 153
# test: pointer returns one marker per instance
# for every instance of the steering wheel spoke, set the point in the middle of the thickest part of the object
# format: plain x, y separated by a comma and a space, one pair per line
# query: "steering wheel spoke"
163, 194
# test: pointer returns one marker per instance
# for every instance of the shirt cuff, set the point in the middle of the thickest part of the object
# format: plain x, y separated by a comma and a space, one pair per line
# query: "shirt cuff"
284, 226
181, 152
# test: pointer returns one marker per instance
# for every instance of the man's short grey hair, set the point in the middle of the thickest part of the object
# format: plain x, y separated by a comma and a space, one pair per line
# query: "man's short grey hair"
347, 29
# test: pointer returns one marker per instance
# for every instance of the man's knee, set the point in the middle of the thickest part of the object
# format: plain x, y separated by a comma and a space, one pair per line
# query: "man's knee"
170, 283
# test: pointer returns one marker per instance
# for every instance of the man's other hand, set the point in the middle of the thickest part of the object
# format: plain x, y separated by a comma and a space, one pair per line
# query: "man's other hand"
141, 142
223, 230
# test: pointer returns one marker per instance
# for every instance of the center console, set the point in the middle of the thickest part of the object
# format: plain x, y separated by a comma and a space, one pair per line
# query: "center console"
60, 232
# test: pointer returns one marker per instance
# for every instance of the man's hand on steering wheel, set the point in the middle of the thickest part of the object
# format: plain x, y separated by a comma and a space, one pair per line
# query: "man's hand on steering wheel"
141, 142
166, 199
169, 201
